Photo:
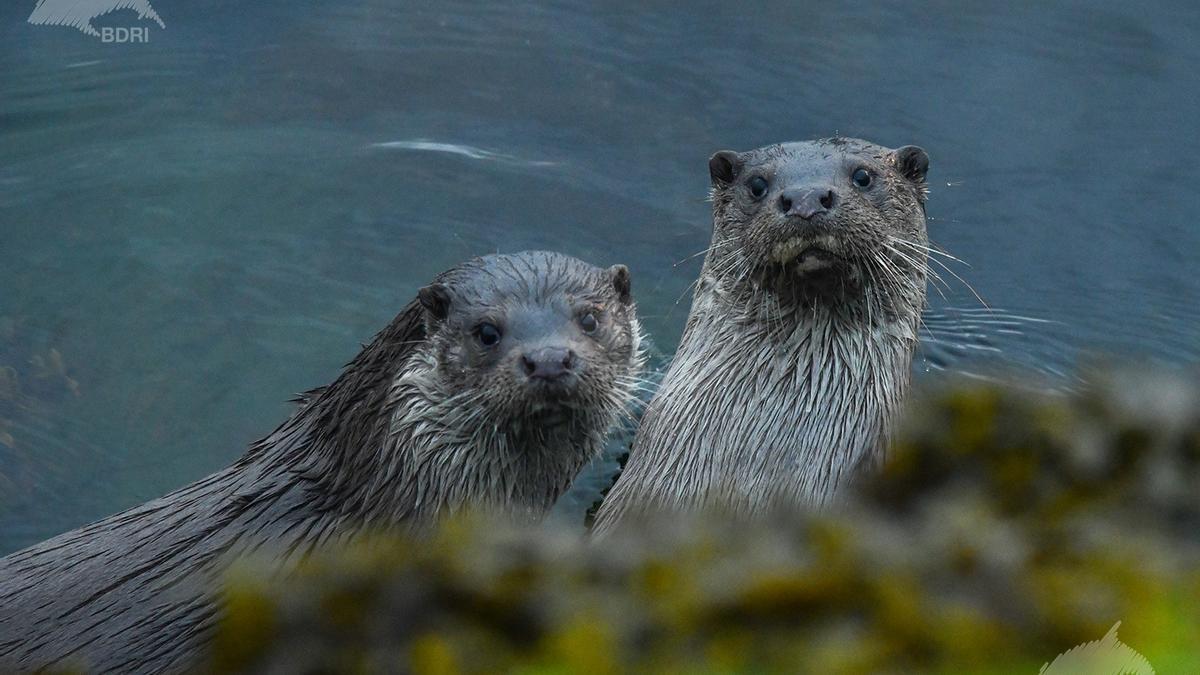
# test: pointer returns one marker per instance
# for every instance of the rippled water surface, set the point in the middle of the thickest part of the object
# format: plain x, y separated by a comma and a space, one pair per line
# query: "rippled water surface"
195, 228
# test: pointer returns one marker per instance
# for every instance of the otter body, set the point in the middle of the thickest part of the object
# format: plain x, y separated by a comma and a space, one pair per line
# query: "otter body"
797, 351
491, 390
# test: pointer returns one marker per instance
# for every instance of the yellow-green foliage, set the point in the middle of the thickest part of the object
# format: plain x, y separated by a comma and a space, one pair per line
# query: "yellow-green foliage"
1006, 529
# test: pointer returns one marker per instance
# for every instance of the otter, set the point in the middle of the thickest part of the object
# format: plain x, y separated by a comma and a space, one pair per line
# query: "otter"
797, 351
490, 390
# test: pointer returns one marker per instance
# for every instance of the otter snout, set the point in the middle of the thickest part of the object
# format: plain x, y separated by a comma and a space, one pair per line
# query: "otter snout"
548, 364
806, 202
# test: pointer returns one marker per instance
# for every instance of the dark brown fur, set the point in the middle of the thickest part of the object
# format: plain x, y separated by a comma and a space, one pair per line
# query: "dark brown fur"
376, 448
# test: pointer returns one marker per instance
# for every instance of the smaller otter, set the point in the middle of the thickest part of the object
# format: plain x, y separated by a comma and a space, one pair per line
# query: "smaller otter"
492, 389
798, 347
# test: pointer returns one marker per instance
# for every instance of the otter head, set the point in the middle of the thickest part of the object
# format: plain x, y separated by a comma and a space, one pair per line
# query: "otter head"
838, 222
535, 339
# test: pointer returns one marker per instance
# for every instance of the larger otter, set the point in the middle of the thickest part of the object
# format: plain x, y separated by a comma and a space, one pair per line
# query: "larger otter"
797, 351
492, 389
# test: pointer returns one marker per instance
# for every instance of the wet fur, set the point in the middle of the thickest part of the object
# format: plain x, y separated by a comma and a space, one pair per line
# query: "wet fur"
781, 390
393, 440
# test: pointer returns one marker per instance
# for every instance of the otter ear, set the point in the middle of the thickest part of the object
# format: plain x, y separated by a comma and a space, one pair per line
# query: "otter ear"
435, 298
620, 282
912, 163
724, 167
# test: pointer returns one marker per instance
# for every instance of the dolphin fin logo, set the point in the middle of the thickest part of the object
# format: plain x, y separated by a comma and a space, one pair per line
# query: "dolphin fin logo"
1106, 656
79, 13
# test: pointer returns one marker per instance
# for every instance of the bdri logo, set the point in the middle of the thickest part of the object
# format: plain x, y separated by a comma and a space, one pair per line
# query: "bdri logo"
79, 14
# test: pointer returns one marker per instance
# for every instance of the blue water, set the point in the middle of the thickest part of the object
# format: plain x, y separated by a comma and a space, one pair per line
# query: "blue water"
195, 228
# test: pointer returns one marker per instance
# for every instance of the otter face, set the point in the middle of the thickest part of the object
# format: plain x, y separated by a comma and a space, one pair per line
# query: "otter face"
536, 336
836, 219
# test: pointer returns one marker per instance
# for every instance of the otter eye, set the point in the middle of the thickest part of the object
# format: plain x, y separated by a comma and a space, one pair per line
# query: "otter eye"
588, 323
488, 334
862, 178
758, 186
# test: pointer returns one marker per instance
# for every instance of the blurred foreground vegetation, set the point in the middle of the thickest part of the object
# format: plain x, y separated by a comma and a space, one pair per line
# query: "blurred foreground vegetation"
1007, 528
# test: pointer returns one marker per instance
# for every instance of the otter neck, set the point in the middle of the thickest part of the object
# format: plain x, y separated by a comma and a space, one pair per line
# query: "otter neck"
445, 452
764, 407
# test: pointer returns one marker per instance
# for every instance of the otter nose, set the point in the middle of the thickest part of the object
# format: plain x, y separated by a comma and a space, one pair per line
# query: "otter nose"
548, 363
807, 202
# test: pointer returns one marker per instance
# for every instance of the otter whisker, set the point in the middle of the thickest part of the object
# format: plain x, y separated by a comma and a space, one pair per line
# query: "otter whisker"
706, 251
923, 267
718, 271
936, 250
895, 284
920, 319
963, 281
